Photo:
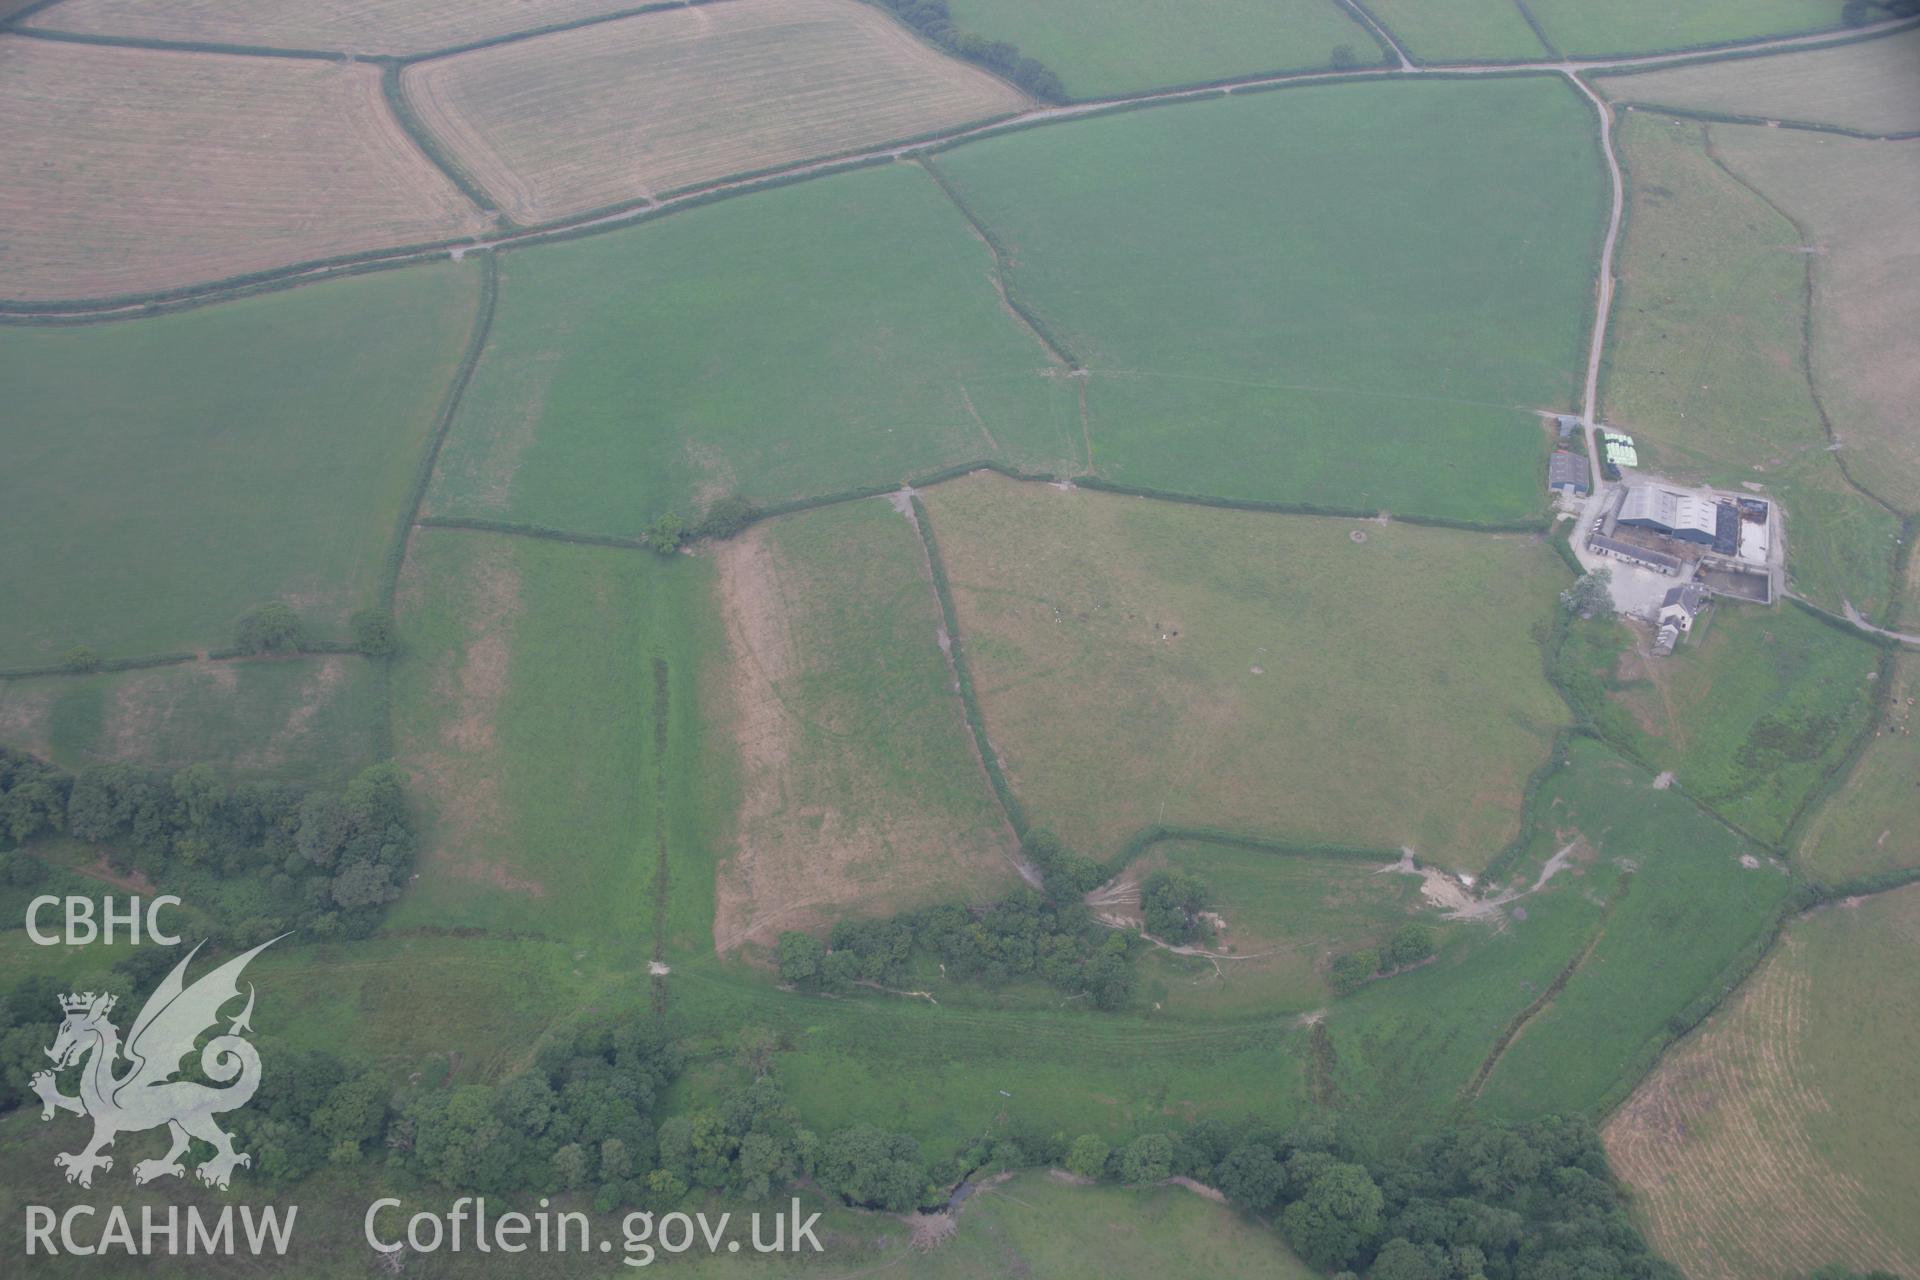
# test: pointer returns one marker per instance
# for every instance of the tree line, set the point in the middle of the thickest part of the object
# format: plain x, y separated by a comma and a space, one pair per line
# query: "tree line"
1532, 1201
932, 20
1046, 934
264, 857
590, 1117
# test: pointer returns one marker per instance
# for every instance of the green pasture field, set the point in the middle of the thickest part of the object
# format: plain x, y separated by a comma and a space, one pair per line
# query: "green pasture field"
1038, 1224
1460, 30
1691, 908
1851, 199
1868, 85
525, 711
1102, 50
1645, 26
1870, 825
1404, 1052
1034, 1224
1142, 663
1397, 1056
860, 793
1706, 359
1287, 915
946, 1074
165, 475
313, 719
1353, 294
1798, 1092
832, 334
1753, 710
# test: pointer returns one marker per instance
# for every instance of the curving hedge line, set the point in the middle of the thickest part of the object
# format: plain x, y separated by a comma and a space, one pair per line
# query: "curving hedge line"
422, 137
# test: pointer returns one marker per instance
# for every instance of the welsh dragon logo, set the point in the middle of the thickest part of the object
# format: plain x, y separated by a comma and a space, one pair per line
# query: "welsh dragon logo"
145, 1095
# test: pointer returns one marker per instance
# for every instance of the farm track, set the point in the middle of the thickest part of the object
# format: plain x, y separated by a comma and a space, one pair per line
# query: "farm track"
646, 209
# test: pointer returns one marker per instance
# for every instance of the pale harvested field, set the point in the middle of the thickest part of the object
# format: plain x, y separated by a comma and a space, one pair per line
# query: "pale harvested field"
1872, 86
859, 789
1856, 200
352, 26
1778, 1138
130, 170
614, 113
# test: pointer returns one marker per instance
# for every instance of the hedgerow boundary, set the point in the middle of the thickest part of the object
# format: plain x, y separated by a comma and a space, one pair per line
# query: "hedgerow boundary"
110, 41
963, 675
1539, 32
108, 664
134, 306
1734, 50
1056, 345
443, 424
429, 146
1652, 107
1714, 50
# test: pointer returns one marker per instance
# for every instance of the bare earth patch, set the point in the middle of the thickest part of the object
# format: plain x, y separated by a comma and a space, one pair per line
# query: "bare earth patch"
131, 170
829, 820
616, 113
